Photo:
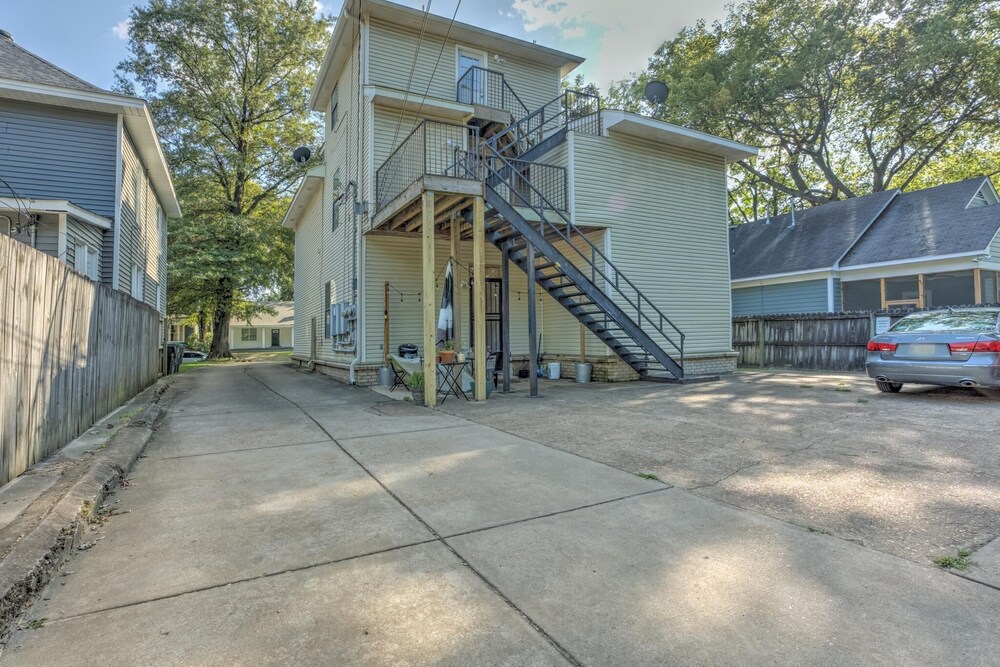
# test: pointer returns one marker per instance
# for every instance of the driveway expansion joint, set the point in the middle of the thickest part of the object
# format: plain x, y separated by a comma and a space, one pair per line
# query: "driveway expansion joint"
569, 657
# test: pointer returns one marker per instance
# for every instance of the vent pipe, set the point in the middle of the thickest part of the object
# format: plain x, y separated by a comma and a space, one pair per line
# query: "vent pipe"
6, 35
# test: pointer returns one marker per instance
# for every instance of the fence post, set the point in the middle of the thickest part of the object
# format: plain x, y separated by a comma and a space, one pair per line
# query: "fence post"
761, 344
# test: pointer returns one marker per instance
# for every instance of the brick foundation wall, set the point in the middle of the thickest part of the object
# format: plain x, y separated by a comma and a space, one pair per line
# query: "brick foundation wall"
365, 375
717, 364
613, 369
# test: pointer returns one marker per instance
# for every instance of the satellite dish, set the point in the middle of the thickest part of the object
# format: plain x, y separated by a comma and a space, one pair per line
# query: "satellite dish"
302, 154
656, 93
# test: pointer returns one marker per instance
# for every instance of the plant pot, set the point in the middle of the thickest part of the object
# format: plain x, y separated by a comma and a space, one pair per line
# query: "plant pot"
447, 356
418, 396
437, 359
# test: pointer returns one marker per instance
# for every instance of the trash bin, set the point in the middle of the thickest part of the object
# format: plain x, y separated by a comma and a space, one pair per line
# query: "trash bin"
583, 372
175, 354
554, 370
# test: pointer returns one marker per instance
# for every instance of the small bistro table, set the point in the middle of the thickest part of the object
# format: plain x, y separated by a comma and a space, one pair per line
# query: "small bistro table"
451, 379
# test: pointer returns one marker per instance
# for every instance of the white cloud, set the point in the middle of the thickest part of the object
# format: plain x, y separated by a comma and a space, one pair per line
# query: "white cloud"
320, 8
620, 35
121, 29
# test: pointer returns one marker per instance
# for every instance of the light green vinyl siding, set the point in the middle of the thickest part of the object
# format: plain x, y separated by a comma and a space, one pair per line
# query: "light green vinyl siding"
666, 209
308, 287
561, 334
398, 260
393, 52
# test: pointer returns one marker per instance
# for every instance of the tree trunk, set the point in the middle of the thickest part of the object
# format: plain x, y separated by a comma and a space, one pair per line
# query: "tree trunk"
220, 321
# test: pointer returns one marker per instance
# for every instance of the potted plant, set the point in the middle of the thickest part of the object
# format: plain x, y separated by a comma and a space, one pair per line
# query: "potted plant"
447, 352
415, 382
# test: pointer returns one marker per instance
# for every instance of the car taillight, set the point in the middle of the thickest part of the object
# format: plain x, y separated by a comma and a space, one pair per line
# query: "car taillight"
876, 346
987, 346
962, 347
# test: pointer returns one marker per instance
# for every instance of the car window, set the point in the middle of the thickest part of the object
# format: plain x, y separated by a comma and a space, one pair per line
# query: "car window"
959, 320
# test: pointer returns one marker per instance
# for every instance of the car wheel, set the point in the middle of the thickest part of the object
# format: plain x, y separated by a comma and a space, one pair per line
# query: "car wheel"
886, 386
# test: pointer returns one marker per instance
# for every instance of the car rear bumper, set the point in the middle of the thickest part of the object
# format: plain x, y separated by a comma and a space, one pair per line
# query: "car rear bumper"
982, 370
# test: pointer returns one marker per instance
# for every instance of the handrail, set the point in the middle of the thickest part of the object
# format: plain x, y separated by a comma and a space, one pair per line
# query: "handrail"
640, 298
571, 107
490, 84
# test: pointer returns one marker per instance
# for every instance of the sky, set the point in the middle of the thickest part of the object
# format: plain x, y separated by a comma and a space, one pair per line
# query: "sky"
88, 37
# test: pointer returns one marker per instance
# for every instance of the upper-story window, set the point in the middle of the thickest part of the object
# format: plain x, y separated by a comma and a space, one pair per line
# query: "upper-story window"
137, 192
472, 87
333, 109
138, 283
86, 261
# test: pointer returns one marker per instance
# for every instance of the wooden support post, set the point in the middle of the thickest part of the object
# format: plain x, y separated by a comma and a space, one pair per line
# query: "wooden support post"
920, 291
977, 287
583, 344
479, 295
430, 314
385, 327
532, 326
505, 314
456, 300
882, 286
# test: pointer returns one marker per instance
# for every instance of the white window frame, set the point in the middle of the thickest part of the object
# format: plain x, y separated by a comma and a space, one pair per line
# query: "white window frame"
138, 283
485, 64
248, 334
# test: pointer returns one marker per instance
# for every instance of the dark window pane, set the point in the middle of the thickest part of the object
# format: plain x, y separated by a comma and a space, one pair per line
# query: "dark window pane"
949, 289
862, 295
903, 288
958, 320
989, 286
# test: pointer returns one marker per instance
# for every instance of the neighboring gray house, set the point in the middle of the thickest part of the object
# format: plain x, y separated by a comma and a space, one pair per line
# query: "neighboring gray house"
924, 249
82, 175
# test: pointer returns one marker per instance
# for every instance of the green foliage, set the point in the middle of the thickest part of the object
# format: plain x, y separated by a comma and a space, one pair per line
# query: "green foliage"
843, 98
415, 380
228, 82
959, 561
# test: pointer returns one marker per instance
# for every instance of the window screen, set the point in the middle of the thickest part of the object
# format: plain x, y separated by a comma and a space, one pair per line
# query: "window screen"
902, 288
989, 286
949, 289
862, 295
248, 334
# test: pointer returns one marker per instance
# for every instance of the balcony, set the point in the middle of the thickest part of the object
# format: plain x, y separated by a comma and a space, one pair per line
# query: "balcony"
488, 91
437, 157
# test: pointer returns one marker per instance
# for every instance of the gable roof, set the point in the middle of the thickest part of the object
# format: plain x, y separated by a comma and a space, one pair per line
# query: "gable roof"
932, 222
20, 64
24, 77
284, 316
819, 237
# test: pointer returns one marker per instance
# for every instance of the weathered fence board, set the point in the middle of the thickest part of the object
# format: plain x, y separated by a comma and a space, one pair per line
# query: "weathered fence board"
817, 341
71, 351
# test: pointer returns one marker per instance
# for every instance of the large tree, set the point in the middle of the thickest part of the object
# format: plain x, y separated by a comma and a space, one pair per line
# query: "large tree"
843, 98
228, 82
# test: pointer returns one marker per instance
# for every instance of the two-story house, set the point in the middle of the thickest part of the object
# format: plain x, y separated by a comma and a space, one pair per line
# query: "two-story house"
82, 175
445, 141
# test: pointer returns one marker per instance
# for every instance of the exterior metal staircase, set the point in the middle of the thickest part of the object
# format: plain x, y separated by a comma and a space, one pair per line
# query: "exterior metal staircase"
527, 203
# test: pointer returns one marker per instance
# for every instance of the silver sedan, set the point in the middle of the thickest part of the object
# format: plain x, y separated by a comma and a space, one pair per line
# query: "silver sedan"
957, 347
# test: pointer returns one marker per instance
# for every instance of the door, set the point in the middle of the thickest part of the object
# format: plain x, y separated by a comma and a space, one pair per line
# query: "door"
472, 88
494, 330
275, 337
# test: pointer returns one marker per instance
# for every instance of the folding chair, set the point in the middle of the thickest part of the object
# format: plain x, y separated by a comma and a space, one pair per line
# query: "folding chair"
399, 379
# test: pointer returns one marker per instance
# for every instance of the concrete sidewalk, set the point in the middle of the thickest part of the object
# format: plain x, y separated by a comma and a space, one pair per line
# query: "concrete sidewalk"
282, 518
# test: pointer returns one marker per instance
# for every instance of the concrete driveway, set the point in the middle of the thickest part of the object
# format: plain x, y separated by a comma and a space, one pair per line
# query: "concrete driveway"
282, 518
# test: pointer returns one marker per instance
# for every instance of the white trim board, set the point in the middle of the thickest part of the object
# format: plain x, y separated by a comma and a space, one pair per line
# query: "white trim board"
61, 206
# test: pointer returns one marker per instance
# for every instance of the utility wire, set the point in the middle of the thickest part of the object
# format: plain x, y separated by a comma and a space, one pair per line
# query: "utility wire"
438, 61
409, 79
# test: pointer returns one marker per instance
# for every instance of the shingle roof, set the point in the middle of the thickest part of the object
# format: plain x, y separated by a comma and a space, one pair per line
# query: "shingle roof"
926, 223
20, 64
820, 236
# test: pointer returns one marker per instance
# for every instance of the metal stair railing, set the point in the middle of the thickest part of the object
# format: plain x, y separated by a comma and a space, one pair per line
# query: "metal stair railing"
571, 110
489, 88
499, 169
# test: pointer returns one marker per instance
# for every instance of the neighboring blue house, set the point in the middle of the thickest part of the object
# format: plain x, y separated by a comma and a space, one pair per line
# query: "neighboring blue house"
82, 175
929, 248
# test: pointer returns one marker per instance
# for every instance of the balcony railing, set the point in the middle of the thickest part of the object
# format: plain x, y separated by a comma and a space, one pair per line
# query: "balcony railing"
431, 149
487, 88
548, 187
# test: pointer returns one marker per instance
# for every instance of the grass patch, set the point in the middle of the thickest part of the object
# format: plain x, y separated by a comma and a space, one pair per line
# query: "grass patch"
845, 390
647, 475
805, 386
821, 531
862, 399
36, 623
958, 562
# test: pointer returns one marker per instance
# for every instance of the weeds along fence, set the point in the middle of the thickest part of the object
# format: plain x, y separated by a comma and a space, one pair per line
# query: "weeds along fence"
71, 351
814, 341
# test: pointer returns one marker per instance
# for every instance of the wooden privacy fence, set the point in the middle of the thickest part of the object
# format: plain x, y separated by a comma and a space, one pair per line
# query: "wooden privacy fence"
71, 351
815, 341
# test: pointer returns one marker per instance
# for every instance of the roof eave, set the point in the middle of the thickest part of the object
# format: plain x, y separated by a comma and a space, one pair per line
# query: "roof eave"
135, 113
310, 184
669, 134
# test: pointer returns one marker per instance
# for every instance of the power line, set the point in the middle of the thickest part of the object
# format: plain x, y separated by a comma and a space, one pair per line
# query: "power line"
413, 67
438, 61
